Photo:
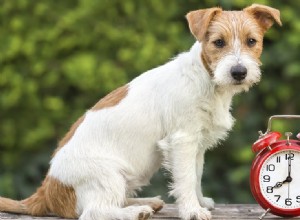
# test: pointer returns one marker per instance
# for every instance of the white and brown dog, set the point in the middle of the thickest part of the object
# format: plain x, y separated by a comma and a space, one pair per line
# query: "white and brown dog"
167, 116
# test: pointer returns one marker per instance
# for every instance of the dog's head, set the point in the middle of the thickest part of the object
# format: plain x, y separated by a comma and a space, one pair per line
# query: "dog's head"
232, 42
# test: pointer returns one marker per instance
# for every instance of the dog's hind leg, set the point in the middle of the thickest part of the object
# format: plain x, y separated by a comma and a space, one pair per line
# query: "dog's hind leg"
96, 212
104, 199
155, 203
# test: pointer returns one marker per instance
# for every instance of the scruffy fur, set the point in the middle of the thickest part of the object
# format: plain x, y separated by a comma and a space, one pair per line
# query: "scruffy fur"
167, 116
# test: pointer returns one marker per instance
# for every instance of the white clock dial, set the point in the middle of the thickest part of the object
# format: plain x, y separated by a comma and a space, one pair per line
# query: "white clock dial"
280, 179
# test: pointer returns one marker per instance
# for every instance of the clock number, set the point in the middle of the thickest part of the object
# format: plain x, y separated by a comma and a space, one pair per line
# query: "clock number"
290, 155
278, 197
270, 167
298, 199
266, 178
270, 189
278, 159
288, 202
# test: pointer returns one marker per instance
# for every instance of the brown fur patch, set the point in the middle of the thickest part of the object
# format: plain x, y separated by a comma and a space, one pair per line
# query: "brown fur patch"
112, 99
205, 64
52, 197
60, 199
264, 15
199, 21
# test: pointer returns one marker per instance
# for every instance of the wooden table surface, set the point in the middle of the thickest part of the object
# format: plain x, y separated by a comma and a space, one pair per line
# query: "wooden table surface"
222, 211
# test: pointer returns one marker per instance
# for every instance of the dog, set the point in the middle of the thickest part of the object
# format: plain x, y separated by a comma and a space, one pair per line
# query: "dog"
168, 116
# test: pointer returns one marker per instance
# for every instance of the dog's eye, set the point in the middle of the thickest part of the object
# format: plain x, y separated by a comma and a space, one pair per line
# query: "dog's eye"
251, 42
219, 43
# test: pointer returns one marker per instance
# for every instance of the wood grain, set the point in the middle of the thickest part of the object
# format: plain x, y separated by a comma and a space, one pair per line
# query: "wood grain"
222, 211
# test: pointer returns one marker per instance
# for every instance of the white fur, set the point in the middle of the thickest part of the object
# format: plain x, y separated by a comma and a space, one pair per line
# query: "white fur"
171, 115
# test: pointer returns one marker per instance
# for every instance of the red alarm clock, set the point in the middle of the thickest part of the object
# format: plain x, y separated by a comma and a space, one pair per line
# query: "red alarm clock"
275, 171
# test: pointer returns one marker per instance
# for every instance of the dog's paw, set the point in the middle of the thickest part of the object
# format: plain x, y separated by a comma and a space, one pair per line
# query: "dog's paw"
136, 212
144, 215
207, 203
156, 203
144, 212
195, 214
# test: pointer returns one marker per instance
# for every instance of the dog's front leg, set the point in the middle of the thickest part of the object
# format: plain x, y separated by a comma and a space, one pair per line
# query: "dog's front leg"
180, 151
204, 201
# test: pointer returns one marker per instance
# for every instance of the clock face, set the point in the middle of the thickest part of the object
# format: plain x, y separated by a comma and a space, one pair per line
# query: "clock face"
279, 179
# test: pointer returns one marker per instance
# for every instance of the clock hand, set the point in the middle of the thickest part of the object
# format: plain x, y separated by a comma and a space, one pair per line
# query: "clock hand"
279, 184
289, 172
289, 165
289, 190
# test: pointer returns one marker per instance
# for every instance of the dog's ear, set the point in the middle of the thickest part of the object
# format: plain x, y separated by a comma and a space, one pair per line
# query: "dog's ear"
199, 21
264, 15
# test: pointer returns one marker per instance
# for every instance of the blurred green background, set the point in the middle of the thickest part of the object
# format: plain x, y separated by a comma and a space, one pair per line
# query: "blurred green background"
57, 58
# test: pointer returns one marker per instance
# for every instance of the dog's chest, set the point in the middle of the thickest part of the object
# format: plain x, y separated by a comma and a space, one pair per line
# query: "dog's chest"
217, 119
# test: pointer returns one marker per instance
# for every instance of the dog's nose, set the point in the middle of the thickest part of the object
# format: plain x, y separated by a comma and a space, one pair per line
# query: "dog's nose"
238, 72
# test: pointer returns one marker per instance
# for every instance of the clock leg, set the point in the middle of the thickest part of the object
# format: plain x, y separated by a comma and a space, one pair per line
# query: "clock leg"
263, 215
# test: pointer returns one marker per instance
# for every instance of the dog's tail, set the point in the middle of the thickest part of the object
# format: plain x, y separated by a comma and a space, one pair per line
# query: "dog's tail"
9, 205
52, 197
34, 205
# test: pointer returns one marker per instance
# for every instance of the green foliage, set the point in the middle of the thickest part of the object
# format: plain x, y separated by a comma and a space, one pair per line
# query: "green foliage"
57, 58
